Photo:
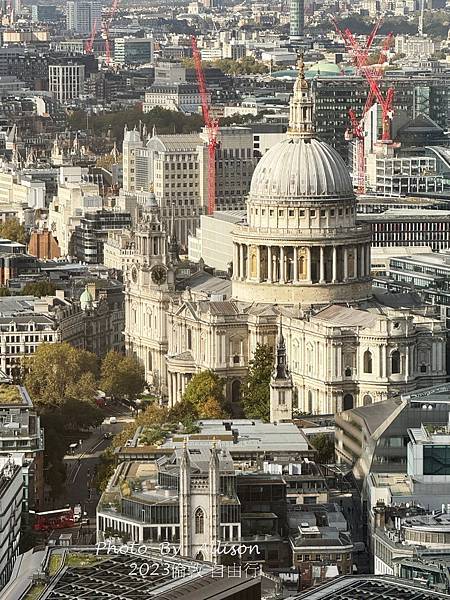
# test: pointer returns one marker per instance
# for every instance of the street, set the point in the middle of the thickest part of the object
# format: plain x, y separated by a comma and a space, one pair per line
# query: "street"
81, 465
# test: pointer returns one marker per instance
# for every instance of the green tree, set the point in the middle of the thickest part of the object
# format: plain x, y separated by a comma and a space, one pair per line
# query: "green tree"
12, 230
324, 444
4, 291
59, 372
122, 376
39, 289
205, 389
256, 392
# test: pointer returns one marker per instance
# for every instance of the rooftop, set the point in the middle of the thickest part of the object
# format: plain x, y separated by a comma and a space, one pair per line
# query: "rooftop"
246, 435
10, 394
92, 574
371, 587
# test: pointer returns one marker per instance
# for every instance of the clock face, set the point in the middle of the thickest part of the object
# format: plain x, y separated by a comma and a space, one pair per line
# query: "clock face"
159, 275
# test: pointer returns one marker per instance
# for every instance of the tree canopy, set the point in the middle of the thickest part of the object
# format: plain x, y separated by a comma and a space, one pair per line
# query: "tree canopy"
39, 289
59, 372
165, 121
12, 230
256, 391
324, 444
204, 394
122, 376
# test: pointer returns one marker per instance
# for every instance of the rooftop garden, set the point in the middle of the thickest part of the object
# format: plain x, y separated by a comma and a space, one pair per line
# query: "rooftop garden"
10, 394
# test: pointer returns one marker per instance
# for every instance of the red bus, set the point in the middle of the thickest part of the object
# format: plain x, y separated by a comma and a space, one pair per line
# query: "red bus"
54, 519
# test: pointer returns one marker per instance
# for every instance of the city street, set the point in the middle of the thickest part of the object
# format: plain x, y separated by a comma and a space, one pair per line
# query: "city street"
81, 465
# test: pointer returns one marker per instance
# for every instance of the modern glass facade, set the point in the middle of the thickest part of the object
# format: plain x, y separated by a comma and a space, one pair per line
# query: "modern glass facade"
436, 460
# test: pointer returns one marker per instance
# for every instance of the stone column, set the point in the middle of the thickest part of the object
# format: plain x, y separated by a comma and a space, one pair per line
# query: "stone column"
308, 265
295, 264
334, 279
269, 264
235, 261
322, 265
345, 264
241, 261
356, 263
258, 263
363, 261
282, 266
368, 264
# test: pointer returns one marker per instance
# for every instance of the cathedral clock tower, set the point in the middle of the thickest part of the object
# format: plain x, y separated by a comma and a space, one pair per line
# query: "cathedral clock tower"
149, 281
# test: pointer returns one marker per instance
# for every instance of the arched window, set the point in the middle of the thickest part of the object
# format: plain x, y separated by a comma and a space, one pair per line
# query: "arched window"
150, 361
199, 521
310, 402
189, 339
395, 362
348, 401
367, 400
367, 361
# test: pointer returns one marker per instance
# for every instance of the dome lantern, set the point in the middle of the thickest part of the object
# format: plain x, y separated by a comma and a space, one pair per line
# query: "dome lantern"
301, 108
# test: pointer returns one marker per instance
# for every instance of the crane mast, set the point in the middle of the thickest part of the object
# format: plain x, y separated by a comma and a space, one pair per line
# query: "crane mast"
211, 126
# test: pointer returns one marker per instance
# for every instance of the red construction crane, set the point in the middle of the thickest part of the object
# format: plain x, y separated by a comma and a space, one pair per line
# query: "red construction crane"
211, 125
106, 26
90, 42
373, 76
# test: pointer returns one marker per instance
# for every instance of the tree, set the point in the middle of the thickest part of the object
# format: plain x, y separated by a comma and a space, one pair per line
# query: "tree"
58, 372
122, 376
324, 444
213, 410
39, 289
4, 291
256, 392
12, 230
205, 390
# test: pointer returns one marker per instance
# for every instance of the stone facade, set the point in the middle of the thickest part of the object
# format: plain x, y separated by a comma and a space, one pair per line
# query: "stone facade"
300, 258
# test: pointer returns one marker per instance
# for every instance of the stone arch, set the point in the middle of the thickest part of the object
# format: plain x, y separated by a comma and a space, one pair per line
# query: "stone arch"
348, 402
367, 400
395, 362
367, 359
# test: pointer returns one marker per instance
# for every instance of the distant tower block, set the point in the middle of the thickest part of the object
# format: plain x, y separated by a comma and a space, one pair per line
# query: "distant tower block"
297, 19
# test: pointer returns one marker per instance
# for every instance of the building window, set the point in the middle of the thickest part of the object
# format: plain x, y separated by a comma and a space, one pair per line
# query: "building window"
367, 361
348, 402
282, 398
395, 362
199, 521
189, 339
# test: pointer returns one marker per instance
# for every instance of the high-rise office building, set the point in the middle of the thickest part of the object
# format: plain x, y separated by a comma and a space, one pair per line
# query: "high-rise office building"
297, 19
66, 81
82, 14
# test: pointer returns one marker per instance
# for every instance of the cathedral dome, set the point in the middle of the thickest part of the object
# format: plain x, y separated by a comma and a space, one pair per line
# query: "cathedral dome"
299, 167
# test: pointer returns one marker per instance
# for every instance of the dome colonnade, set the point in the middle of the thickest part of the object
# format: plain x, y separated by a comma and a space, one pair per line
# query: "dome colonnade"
301, 242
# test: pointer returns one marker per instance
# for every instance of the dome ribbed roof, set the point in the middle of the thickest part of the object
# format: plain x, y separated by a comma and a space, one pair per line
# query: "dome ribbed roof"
301, 168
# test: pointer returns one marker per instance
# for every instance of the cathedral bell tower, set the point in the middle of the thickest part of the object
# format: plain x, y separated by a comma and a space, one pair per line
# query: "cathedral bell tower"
281, 388
153, 261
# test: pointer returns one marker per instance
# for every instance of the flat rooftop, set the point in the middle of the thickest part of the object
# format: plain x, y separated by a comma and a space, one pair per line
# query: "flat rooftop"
246, 435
